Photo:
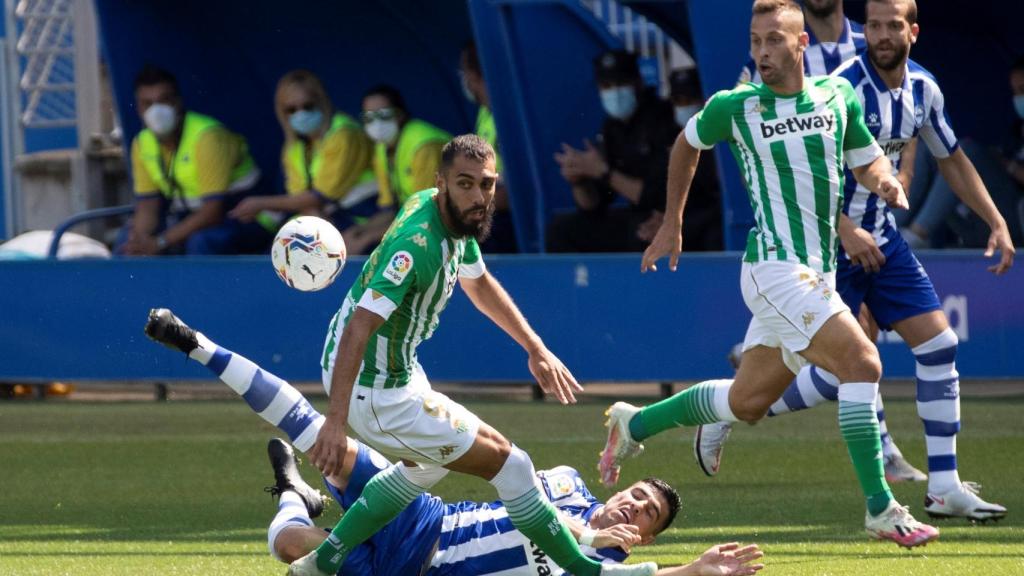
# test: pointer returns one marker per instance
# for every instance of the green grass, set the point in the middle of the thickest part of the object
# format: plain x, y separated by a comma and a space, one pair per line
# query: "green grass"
176, 488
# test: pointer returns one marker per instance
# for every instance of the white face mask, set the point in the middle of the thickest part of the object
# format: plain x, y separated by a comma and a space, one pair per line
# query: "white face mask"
684, 113
385, 131
162, 119
1018, 105
619, 102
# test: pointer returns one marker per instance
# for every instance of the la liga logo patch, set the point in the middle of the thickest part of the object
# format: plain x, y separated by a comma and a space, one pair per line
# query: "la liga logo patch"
398, 267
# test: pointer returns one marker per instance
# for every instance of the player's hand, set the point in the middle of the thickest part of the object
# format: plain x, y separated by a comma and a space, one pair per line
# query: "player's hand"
999, 240
667, 242
328, 453
729, 560
246, 210
890, 190
623, 536
141, 245
862, 249
552, 376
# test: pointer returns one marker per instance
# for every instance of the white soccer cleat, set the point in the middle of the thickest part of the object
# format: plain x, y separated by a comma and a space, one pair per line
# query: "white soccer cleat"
896, 524
620, 444
306, 566
642, 569
708, 443
897, 469
963, 502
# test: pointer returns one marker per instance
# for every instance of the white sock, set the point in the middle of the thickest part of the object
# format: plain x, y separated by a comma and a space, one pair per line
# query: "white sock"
291, 511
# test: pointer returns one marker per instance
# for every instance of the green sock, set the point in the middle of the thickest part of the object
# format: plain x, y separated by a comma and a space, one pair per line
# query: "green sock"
691, 407
535, 517
858, 424
383, 497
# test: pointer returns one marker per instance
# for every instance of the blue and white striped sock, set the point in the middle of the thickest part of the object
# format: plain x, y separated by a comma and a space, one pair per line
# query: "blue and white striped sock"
889, 447
938, 405
811, 387
291, 511
275, 400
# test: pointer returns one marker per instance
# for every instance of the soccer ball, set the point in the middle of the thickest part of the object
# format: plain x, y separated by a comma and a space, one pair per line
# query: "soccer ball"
308, 253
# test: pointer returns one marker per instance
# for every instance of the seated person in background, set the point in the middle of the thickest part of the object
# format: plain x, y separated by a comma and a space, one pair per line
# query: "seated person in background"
502, 238
936, 210
703, 213
631, 163
406, 156
188, 171
325, 159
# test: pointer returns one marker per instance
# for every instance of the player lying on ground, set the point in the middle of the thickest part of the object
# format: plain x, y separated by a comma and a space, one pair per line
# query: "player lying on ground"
790, 136
433, 538
878, 268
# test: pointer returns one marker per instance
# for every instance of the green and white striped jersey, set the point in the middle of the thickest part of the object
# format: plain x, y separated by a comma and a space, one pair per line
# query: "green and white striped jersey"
790, 150
407, 280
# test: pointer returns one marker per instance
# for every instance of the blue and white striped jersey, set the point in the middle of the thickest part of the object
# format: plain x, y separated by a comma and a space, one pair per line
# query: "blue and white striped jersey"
821, 58
894, 117
478, 539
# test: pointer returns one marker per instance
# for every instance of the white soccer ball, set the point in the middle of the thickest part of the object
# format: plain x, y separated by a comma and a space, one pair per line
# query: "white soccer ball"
308, 253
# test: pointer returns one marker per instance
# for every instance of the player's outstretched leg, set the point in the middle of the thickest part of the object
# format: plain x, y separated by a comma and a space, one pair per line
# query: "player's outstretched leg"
287, 478
628, 426
938, 405
275, 400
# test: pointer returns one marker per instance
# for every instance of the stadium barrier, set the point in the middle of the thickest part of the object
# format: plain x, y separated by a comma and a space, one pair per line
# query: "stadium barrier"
82, 320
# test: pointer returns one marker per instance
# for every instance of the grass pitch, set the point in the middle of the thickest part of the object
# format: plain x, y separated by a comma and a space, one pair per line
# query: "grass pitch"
176, 488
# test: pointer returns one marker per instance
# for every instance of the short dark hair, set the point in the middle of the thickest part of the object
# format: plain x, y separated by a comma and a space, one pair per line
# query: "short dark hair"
773, 6
151, 75
472, 58
911, 8
389, 92
671, 496
468, 145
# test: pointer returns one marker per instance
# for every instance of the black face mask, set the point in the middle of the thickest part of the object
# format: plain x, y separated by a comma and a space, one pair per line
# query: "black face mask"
479, 230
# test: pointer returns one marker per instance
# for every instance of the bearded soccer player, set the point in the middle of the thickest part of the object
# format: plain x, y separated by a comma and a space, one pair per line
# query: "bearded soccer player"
790, 137
378, 388
901, 101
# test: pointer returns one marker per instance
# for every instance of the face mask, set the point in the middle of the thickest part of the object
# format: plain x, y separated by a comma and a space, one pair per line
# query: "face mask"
306, 122
384, 131
684, 113
465, 89
162, 119
619, 102
1018, 104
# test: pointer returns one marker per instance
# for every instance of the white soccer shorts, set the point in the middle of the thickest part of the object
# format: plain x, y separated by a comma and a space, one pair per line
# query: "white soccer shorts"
790, 303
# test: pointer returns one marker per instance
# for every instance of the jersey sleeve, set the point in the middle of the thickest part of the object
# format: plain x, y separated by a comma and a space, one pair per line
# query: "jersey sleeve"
346, 154
937, 131
398, 266
711, 125
472, 265
142, 182
217, 153
859, 146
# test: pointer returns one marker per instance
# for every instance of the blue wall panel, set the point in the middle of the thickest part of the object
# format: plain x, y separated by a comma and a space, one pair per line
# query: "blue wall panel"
83, 320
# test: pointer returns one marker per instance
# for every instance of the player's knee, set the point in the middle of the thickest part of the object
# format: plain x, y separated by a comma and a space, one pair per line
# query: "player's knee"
750, 410
516, 476
861, 365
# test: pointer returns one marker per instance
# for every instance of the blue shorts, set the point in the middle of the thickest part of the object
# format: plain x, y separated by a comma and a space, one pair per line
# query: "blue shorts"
900, 290
406, 543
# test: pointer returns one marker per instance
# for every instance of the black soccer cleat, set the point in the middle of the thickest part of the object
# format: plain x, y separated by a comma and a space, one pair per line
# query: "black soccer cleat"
167, 329
287, 477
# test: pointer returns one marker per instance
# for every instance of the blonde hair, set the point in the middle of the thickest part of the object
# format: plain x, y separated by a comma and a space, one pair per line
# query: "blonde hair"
309, 83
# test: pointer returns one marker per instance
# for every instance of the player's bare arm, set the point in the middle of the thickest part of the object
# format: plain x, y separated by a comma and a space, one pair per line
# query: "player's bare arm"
682, 165
962, 177
860, 245
907, 157
490, 298
877, 177
328, 454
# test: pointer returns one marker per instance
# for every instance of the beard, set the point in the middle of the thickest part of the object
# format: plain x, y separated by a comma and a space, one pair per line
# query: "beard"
898, 57
461, 222
821, 10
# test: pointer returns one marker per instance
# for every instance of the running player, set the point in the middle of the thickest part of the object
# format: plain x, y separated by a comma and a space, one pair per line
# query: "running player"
377, 386
435, 538
901, 101
790, 137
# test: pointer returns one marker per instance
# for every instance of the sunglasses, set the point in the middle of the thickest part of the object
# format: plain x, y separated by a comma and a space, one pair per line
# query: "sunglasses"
308, 107
379, 114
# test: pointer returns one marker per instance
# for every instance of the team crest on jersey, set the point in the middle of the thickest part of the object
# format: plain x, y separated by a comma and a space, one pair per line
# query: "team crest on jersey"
562, 486
398, 268
919, 115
